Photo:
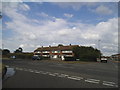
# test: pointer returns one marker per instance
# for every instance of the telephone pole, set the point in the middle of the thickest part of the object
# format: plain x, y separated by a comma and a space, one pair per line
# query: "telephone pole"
99, 46
2, 46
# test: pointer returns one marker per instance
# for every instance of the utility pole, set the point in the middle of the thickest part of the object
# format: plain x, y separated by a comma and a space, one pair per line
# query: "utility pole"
2, 46
99, 46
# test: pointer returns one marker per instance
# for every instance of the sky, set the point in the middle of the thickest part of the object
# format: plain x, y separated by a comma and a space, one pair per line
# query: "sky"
34, 24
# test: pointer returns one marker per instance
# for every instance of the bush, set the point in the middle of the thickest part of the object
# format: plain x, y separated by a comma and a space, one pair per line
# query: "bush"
21, 55
69, 59
86, 53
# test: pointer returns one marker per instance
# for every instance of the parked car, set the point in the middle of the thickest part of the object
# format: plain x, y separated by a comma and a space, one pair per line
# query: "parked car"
4, 70
13, 57
36, 57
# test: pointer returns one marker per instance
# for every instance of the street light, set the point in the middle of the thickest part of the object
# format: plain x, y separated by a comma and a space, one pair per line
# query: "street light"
2, 46
99, 46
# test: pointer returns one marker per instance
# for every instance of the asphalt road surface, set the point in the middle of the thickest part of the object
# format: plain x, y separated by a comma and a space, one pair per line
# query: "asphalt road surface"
56, 74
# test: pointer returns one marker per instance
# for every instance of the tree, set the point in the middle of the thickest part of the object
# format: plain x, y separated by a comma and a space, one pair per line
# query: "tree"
76, 51
0, 15
86, 53
19, 50
5, 51
60, 44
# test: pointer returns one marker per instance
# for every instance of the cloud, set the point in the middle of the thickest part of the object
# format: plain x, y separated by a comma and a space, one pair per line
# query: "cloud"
24, 7
42, 14
75, 5
103, 10
68, 15
52, 32
40, 1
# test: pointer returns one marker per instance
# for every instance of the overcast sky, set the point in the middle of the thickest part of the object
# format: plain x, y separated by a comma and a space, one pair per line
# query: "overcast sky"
33, 24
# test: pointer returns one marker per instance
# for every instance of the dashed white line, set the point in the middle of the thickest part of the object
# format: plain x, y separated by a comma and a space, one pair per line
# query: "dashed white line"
37, 72
31, 71
61, 75
56, 73
45, 72
109, 83
65, 75
92, 81
75, 77
52, 74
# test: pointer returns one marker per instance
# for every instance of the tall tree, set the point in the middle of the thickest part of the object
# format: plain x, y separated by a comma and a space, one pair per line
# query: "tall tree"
5, 51
0, 15
60, 44
19, 50
86, 53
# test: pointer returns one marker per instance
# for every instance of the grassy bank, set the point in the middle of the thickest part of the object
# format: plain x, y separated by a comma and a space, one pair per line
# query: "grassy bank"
70, 62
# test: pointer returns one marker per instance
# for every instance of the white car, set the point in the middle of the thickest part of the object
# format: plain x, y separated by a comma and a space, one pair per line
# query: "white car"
104, 60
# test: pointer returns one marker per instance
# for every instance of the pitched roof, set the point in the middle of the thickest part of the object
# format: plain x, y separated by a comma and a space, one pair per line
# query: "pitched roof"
70, 47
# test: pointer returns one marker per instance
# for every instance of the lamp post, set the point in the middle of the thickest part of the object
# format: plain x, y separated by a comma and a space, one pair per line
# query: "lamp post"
2, 46
99, 46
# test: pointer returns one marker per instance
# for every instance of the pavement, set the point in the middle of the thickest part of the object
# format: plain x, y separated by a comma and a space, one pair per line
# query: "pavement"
57, 74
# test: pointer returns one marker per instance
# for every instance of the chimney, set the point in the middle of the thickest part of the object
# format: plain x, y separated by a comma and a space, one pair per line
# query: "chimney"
49, 46
42, 46
70, 44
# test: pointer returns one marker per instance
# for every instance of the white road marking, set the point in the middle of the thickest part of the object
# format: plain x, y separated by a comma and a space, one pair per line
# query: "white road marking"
92, 80
109, 83
37, 72
56, 73
61, 75
45, 72
31, 71
75, 77
52, 74
65, 75
41, 72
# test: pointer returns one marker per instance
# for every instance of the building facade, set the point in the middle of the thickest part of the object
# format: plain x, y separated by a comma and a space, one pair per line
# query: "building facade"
56, 51
116, 57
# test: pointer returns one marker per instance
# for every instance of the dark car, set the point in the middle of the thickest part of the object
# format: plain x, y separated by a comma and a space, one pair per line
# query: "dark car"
35, 57
4, 70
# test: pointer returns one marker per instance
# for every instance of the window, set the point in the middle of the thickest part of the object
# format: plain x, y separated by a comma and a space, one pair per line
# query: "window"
55, 51
45, 51
66, 51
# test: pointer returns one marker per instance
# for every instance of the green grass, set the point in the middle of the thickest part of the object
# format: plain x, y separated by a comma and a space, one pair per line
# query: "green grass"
1, 67
71, 62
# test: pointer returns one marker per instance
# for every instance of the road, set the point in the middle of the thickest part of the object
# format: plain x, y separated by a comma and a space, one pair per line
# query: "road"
56, 74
